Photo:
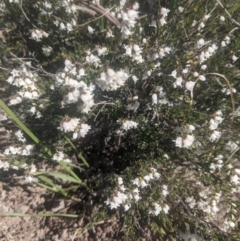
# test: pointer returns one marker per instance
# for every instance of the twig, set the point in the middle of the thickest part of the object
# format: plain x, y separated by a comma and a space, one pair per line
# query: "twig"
104, 14
85, 10
233, 154
230, 89
26, 15
233, 20
4, 68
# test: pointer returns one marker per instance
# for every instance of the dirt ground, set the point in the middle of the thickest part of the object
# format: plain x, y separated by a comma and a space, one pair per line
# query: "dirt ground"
19, 197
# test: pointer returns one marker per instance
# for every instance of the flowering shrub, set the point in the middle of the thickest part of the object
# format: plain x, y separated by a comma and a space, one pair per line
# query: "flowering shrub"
148, 92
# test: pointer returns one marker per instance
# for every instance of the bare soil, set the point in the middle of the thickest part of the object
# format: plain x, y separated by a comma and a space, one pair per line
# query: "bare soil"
18, 197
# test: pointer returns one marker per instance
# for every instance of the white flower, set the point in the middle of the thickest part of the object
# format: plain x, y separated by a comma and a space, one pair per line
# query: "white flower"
93, 60
222, 18
20, 136
38, 34
154, 173
174, 74
154, 99
234, 58
69, 124
190, 85
232, 146
4, 164
140, 182
135, 194
179, 142
178, 82
215, 135
202, 77
234, 179
166, 208
27, 150
153, 23
30, 179
180, 9
128, 124
134, 78
58, 156
195, 74
111, 80
120, 180
164, 12
109, 34
200, 43
213, 124
165, 190
47, 50
223, 44
116, 200
155, 209
126, 206
188, 141
90, 29
102, 51
82, 131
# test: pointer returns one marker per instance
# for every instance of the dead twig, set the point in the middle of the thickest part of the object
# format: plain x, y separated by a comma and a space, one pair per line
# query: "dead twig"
230, 89
229, 15
104, 13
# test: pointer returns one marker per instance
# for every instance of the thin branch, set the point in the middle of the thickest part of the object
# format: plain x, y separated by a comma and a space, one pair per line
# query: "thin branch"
233, 154
104, 14
230, 89
233, 20
85, 10
25, 14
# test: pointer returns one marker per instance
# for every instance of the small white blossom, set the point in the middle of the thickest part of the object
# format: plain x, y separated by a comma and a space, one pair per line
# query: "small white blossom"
155, 209
222, 18
90, 29
69, 124
140, 182
215, 135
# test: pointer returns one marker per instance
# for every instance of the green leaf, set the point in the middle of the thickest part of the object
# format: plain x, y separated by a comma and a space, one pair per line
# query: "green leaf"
79, 155
46, 180
69, 170
10, 214
22, 126
62, 176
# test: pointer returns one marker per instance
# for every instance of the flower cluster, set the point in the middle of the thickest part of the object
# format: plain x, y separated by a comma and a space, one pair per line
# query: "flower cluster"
134, 51
162, 21
78, 91
128, 20
93, 59
186, 139
123, 196
27, 81
38, 35
213, 125
159, 97
60, 156
47, 50
73, 125
128, 124
111, 80
21, 151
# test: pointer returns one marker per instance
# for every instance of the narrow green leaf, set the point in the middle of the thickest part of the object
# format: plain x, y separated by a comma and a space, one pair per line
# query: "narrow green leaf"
52, 189
22, 126
79, 155
69, 170
62, 176
38, 215
45, 179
